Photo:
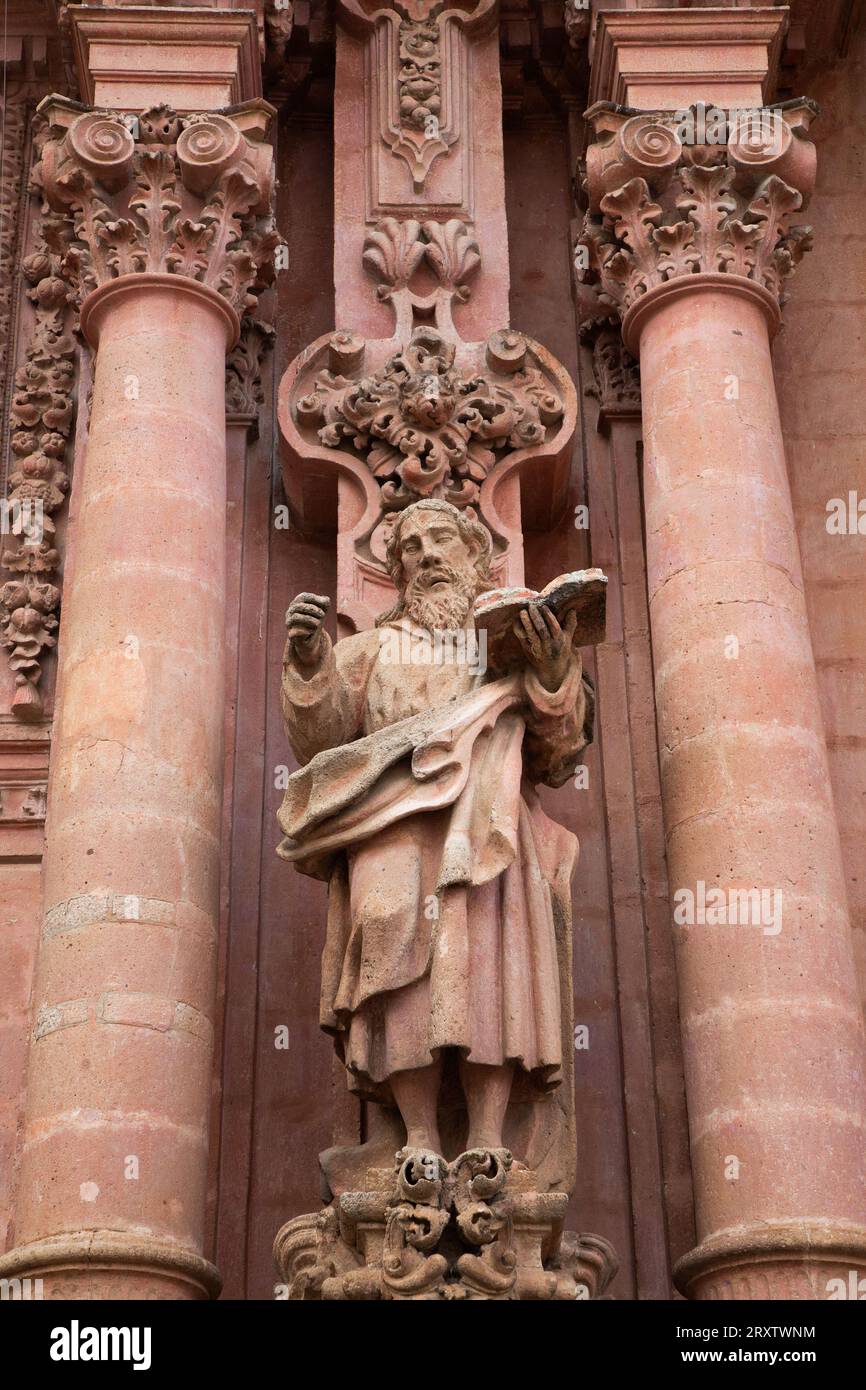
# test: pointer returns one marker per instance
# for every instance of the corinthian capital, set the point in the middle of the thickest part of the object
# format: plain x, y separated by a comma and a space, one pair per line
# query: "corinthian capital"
700, 191
162, 193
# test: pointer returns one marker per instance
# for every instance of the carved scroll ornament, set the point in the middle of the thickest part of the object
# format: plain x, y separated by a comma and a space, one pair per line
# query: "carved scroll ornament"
474, 1229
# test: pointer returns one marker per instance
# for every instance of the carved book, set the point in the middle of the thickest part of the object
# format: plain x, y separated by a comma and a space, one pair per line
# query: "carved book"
497, 610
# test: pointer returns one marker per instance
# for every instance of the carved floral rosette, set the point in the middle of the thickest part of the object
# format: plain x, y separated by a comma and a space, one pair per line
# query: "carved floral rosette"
671, 196
474, 1229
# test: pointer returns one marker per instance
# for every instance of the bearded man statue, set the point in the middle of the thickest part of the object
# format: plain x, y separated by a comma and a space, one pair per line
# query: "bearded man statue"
447, 962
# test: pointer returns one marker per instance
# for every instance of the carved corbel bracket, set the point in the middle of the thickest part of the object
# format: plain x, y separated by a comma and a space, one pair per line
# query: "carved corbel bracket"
422, 414
474, 1229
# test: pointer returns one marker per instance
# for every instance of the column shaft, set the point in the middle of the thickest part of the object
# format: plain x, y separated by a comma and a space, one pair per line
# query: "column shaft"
772, 1031
116, 1145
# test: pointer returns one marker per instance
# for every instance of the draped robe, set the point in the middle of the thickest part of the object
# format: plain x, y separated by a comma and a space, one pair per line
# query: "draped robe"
448, 884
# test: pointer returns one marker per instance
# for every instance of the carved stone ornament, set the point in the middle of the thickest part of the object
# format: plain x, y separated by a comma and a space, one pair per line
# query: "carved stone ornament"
424, 414
424, 428
578, 21
243, 370
472, 1229
40, 417
419, 94
616, 374
672, 196
162, 193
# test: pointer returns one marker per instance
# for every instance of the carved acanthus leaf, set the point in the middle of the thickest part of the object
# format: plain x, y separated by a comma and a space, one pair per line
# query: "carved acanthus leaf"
187, 195
634, 216
155, 205
696, 210
243, 368
708, 203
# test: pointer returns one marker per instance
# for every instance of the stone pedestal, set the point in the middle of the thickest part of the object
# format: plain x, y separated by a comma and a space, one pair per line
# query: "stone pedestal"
477, 1228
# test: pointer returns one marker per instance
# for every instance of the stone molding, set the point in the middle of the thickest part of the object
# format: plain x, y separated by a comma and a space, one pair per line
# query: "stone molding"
200, 58
120, 1257
647, 57
773, 1260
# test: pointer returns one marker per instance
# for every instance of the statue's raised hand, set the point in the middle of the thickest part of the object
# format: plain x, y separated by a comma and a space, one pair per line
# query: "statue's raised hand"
304, 618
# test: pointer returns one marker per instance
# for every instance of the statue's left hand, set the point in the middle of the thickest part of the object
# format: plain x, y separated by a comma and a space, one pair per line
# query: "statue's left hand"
546, 645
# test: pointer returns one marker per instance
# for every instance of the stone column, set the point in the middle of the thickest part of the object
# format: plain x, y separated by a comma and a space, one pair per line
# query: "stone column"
168, 234
692, 241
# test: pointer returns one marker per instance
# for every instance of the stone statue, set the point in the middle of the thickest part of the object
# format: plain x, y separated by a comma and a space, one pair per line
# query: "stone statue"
448, 885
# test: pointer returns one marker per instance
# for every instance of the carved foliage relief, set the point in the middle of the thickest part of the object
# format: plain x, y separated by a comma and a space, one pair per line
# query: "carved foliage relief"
431, 421
183, 195
661, 207
41, 417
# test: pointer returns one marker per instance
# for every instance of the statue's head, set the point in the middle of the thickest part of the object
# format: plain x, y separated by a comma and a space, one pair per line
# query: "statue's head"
439, 560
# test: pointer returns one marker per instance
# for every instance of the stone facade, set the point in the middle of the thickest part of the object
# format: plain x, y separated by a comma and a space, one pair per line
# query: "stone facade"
564, 287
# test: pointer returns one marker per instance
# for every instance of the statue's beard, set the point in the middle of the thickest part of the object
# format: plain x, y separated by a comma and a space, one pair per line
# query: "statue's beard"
441, 609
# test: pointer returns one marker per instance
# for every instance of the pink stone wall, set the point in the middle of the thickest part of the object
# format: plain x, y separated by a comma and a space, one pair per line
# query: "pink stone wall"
820, 359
